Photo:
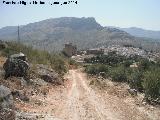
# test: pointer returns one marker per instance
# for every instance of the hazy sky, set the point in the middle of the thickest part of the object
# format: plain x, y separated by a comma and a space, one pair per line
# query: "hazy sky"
120, 13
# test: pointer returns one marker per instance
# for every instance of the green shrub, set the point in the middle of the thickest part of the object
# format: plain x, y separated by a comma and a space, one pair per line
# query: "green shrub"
145, 78
136, 80
90, 69
72, 62
151, 83
118, 74
111, 59
127, 63
58, 63
144, 64
96, 69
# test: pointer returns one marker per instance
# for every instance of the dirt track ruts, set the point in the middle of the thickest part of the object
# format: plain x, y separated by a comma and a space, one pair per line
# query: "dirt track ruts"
78, 101
84, 103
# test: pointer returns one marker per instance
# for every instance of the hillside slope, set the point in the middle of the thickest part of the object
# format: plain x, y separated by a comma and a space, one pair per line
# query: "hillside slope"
52, 34
139, 32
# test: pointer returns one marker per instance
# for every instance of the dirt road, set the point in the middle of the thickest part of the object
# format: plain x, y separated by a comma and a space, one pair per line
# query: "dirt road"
78, 101
83, 103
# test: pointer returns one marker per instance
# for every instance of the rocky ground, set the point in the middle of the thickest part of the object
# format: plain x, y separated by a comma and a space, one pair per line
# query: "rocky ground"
79, 99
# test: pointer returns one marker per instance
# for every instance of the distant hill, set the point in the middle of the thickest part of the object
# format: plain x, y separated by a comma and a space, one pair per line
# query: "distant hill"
139, 32
52, 34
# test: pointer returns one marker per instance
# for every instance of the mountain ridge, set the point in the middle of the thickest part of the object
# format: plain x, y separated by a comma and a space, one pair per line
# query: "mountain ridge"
140, 32
86, 33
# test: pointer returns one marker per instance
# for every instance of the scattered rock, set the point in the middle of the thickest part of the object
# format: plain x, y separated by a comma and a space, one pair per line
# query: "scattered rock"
24, 98
151, 101
6, 98
23, 81
48, 74
34, 116
133, 92
7, 114
6, 104
38, 81
15, 93
49, 78
21, 96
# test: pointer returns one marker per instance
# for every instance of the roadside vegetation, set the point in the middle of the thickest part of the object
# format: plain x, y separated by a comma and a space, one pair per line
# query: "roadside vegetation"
57, 61
140, 73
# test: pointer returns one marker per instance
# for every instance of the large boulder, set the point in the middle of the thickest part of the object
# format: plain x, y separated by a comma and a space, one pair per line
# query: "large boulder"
16, 65
6, 104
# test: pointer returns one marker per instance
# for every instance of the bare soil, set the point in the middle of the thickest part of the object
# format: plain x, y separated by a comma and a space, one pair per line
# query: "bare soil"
77, 100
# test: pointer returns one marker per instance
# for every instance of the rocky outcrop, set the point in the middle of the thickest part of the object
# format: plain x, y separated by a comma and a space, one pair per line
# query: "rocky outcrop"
48, 74
15, 66
6, 104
